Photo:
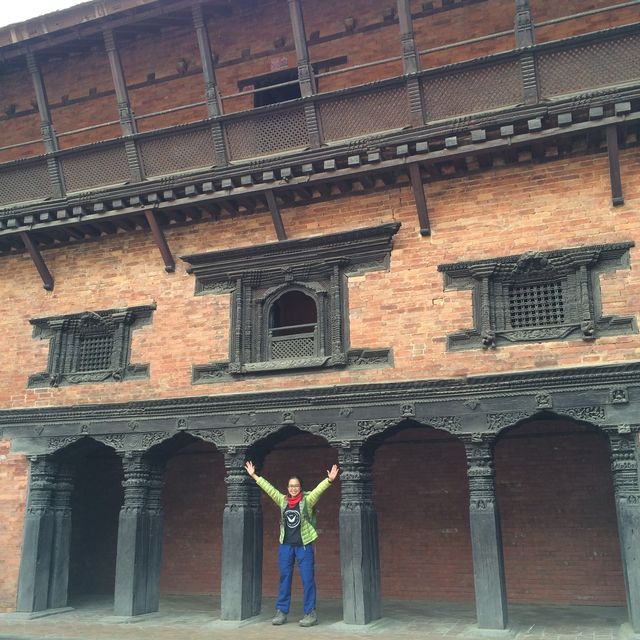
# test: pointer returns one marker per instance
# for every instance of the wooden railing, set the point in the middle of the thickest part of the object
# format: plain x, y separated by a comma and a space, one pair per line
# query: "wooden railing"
572, 66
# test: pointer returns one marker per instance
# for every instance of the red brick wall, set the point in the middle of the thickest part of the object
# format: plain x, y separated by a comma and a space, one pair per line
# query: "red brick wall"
13, 480
559, 527
559, 204
558, 515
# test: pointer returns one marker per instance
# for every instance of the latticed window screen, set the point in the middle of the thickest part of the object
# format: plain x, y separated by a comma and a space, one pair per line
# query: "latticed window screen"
293, 347
95, 352
536, 305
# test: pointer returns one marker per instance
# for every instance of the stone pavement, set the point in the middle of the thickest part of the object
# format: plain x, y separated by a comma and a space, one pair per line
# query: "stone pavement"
197, 618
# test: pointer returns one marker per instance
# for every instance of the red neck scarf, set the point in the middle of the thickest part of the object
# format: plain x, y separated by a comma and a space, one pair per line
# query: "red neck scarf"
292, 502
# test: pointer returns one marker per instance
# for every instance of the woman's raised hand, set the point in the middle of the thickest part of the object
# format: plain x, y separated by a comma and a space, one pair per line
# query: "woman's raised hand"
333, 474
250, 467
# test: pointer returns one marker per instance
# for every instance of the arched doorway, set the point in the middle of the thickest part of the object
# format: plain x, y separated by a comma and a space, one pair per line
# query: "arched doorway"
421, 497
558, 514
97, 495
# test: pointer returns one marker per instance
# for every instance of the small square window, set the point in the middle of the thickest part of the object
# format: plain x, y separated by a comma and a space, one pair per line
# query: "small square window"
90, 346
549, 295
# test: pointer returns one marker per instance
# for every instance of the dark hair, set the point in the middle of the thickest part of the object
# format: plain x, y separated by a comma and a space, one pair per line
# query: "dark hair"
298, 478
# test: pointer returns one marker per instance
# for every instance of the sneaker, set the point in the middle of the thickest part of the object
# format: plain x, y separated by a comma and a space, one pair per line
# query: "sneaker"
309, 619
279, 618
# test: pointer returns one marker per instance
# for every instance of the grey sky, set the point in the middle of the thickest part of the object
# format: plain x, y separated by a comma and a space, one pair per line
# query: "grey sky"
19, 10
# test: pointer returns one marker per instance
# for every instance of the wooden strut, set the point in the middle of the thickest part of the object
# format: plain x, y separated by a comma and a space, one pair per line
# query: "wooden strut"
275, 215
614, 165
161, 241
420, 198
45, 274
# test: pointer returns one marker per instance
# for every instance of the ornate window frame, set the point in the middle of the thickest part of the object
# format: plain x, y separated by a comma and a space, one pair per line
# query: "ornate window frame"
567, 280
68, 362
256, 276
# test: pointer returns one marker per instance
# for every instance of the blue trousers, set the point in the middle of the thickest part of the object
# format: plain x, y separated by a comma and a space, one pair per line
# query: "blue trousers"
287, 556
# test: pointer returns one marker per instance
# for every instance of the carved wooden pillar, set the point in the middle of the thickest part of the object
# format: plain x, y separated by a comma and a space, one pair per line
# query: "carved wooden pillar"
359, 559
525, 38
624, 467
127, 118
241, 592
306, 76
132, 561
486, 538
61, 505
212, 95
155, 515
38, 536
411, 64
49, 137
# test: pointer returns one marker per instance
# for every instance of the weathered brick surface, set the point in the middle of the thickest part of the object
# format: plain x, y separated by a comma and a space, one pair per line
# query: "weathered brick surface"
13, 480
565, 203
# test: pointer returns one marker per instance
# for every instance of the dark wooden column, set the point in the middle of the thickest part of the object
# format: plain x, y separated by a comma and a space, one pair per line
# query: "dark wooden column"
125, 113
486, 538
38, 536
525, 38
410, 63
359, 559
49, 137
212, 95
241, 591
61, 505
155, 515
132, 561
624, 466
306, 77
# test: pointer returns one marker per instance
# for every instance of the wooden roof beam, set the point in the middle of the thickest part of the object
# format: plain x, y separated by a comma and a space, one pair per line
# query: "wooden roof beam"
613, 151
36, 256
161, 241
275, 215
415, 175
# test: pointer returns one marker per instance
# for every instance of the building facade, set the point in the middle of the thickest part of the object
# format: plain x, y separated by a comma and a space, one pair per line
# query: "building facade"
396, 235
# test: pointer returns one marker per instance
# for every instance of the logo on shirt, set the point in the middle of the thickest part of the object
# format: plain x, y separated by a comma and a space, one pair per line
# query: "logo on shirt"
292, 518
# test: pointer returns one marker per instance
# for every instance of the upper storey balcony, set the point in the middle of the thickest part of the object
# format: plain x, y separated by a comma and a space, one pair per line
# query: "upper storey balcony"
169, 100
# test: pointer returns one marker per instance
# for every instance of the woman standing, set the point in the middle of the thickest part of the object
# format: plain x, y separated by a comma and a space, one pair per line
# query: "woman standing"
297, 533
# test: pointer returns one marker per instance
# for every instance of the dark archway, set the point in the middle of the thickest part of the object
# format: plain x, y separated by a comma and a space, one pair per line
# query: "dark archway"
95, 504
422, 501
558, 514
193, 501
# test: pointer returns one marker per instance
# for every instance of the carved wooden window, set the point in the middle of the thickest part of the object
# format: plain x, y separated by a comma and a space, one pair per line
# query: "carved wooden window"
90, 346
289, 301
549, 295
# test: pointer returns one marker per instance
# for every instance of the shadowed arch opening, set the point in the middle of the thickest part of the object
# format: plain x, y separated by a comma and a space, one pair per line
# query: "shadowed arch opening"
95, 505
421, 497
558, 517
193, 499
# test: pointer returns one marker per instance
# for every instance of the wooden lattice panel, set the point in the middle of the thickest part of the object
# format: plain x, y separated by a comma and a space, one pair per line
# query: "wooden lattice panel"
177, 151
590, 66
359, 115
472, 90
24, 182
95, 167
266, 133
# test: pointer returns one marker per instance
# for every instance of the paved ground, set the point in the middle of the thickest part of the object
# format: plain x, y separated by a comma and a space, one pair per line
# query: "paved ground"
197, 618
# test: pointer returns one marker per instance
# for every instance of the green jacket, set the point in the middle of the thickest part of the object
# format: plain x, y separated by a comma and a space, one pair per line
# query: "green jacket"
308, 531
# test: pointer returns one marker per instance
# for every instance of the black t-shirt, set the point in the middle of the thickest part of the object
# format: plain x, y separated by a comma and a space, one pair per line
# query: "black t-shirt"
292, 534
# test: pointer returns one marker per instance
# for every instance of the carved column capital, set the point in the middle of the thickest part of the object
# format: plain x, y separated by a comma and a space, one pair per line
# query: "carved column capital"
63, 489
242, 491
356, 478
480, 472
136, 481
42, 480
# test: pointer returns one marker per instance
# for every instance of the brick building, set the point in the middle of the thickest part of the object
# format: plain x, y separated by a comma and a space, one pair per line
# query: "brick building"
399, 235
